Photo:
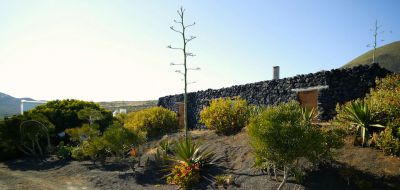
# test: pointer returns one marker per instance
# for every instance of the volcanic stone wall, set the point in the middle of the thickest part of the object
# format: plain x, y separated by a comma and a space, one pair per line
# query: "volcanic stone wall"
343, 85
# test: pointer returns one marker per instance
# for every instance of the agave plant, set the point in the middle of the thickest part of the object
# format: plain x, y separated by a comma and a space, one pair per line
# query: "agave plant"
358, 114
308, 114
190, 152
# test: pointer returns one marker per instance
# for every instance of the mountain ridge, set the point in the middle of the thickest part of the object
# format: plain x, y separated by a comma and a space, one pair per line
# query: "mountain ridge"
387, 56
10, 105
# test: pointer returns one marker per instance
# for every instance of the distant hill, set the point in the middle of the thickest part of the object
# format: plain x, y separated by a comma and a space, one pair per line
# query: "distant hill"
388, 56
11, 106
128, 105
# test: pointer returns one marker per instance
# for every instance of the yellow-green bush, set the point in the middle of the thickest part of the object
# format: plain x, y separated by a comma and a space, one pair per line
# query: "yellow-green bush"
384, 100
119, 140
115, 141
155, 121
225, 115
79, 134
388, 142
280, 136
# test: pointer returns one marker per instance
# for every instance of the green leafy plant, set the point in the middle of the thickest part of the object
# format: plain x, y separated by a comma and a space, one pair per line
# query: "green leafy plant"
309, 115
223, 180
90, 115
80, 134
77, 153
384, 99
184, 175
357, 113
280, 137
388, 142
119, 140
116, 141
63, 152
190, 152
164, 151
8, 148
29, 134
155, 121
227, 116
95, 149
187, 161
64, 113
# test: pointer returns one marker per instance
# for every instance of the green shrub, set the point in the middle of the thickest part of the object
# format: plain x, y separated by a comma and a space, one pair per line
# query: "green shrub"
95, 149
115, 141
80, 134
162, 154
63, 152
384, 100
8, 147
388, 142
64, 113
27, 134
77, 153
88, 142
119, 140
155, 121
281, 137
225, 115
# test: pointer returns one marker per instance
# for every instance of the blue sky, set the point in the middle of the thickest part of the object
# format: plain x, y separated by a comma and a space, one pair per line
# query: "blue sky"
116, 50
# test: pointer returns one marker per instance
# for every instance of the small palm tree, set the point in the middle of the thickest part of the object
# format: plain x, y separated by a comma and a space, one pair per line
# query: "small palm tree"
358, 113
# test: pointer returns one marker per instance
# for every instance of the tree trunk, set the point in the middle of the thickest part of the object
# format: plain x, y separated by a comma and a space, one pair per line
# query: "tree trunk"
285, 176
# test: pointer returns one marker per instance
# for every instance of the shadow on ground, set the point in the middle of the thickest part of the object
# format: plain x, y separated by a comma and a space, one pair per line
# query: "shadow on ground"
27, 164
342, 176
108, 166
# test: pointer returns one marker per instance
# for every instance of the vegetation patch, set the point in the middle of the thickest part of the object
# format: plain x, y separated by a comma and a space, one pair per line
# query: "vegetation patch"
225, 115
155, 121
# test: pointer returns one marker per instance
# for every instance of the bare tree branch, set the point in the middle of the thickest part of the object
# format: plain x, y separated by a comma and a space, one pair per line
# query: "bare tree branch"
190, 54
178, 22
174, 64
190, 25
194, 69
170, 47
180, 72
190, 39
172, 28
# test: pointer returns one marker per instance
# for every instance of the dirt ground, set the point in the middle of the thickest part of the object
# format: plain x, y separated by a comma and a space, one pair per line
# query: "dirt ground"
354, 168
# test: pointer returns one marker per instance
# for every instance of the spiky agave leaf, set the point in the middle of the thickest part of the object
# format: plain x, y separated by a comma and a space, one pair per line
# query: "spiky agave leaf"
308, 115
359, 114
192, 153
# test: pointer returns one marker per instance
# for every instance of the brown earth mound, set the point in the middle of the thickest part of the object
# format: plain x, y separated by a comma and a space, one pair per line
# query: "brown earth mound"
354, 168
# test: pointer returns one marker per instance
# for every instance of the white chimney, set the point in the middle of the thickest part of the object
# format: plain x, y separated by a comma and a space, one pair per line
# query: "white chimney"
275, 72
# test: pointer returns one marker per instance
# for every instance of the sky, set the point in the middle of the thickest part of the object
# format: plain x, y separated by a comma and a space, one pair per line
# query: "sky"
103, 50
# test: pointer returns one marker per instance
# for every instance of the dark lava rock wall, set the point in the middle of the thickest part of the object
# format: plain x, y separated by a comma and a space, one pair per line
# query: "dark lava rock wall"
343, 85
